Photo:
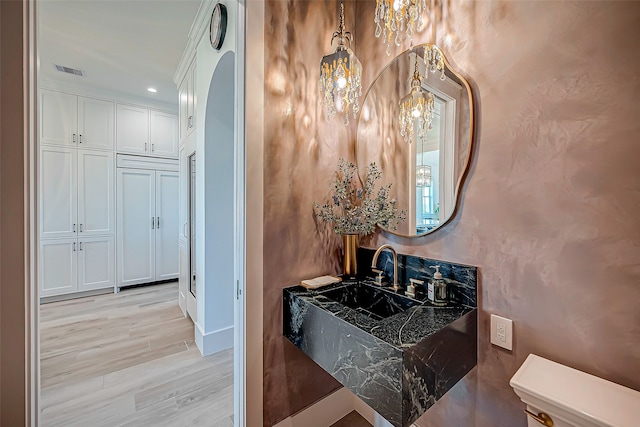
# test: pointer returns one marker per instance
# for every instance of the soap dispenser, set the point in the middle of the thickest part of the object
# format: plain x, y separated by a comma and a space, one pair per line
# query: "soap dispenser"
437, 290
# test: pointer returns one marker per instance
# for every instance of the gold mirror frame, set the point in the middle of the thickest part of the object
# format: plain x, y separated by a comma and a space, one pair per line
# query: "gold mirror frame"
464, 165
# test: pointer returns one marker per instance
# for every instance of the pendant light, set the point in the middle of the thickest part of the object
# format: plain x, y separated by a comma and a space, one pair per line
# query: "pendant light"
416, 109
341, 76
398, 19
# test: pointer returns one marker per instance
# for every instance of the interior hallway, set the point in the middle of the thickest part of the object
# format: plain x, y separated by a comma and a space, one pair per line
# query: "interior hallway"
130, 359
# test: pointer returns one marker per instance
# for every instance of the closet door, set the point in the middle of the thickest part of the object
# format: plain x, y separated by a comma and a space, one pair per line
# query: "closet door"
136, 226
167, 225
96, 200
96, 263
58, 266
163, 134
58, 192
96, 124
58, 118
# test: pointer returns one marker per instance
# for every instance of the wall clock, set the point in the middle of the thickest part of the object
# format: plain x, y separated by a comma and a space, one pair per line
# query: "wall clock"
218, 26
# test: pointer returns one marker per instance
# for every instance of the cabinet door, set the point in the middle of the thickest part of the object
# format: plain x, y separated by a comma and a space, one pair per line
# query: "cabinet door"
96, 200
191, 98
167, 226
96, 124
183, 97
132, 129
58, 118
136, 226
163, 134
58, 266
58, 192
184, 195
96, 266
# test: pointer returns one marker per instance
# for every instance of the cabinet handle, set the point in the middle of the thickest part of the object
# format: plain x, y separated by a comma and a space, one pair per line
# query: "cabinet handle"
158, 223
74, 138
74, 246
153, 223
80, 138
542, 418
81, 228
80, 245
153, 147
74, 228
190, 122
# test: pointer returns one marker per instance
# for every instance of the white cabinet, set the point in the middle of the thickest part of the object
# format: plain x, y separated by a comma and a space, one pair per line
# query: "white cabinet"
58, 266
96, 124
187, 102
96, 198
146, 132
58, 192
96, 263
76, 265
132, 129
58, 118
163, 134
76, 192
147, 243
76, 121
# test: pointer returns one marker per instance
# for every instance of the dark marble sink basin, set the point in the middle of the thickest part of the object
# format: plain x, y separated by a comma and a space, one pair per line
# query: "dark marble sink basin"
370, 300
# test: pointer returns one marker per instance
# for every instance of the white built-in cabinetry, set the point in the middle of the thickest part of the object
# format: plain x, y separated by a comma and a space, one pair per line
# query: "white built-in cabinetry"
145, 131
187, 102
76, 121
79, 137
147, 241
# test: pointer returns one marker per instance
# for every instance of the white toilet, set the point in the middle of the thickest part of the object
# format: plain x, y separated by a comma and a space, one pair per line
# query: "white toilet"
571, 398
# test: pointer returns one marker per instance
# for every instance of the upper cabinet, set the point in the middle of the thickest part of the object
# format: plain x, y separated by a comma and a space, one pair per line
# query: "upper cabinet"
163, 134
146, 132
76, 121
187, 103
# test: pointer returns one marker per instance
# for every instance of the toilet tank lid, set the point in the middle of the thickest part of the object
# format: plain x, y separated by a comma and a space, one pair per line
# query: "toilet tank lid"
584, 395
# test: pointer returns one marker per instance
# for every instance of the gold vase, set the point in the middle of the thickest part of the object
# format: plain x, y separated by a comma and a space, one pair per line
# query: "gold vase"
350, 248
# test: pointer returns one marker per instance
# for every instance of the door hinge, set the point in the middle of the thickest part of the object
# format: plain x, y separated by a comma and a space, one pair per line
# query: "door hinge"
238, 290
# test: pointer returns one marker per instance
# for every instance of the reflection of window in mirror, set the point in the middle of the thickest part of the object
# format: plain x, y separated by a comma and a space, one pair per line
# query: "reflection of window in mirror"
428, 157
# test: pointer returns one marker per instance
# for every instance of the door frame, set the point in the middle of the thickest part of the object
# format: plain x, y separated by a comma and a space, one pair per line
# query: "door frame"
30, 173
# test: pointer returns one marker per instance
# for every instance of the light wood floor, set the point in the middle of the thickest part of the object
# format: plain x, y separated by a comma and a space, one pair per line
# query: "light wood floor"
129, 359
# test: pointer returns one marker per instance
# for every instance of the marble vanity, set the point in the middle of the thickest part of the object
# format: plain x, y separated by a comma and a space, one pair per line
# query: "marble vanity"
397, 354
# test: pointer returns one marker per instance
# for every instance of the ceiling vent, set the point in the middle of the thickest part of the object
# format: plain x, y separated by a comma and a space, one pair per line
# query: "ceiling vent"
69, 70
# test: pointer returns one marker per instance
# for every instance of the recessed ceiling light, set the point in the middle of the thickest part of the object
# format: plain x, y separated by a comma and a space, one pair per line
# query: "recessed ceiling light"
152, 90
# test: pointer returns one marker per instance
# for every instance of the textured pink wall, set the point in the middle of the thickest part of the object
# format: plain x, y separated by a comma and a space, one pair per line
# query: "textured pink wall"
550, 207
549, 210
301, 151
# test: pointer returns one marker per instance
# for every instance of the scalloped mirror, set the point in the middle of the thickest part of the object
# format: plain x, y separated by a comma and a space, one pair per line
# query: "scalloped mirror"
425, 162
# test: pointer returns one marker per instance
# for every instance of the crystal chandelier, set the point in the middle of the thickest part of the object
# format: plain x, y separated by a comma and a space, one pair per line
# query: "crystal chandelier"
433, 61
416, 109
341, 76
423, 176
395, 17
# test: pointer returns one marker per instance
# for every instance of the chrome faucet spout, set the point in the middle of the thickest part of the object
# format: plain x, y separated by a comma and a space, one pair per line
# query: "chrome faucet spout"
374, 262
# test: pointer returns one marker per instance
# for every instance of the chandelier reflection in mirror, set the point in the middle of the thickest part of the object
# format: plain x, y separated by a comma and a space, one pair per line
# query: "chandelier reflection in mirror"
416, 109
395, 18
341, 77
423, 176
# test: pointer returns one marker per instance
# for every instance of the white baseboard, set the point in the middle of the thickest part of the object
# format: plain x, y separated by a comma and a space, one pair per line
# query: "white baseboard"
214, 341
331, 409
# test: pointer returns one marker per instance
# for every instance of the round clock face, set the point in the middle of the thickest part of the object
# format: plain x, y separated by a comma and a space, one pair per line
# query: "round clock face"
218, 26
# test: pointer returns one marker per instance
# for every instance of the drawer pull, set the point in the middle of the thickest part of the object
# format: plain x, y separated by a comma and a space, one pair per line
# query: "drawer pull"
542, 418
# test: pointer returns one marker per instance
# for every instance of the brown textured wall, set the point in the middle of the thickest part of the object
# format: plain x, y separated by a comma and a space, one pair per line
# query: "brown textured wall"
301, 151
549, 211
550, 207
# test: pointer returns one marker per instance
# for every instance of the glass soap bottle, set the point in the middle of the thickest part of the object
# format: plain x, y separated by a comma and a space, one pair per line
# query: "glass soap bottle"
437, 290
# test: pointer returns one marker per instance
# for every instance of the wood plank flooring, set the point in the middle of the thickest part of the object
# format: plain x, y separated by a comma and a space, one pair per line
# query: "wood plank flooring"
129, 359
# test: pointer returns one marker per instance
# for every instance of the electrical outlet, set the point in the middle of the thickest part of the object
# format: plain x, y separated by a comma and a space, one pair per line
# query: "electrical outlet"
502, 332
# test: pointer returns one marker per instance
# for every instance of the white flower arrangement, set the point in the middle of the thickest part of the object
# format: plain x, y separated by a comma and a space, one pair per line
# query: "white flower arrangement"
357, 209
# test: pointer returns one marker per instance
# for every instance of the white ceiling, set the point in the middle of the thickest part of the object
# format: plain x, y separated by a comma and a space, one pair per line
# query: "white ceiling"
122, 46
